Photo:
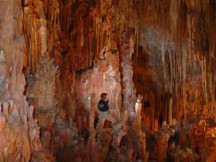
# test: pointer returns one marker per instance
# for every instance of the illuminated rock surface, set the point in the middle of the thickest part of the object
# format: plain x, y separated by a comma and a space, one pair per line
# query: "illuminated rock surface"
154, 58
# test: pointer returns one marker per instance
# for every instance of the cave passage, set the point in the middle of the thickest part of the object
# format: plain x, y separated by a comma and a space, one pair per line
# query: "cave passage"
107, 80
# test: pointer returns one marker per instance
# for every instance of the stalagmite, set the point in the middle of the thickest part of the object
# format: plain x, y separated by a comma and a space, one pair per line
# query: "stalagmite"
17, 123
170, 109
58, 57
138, 109
129, 90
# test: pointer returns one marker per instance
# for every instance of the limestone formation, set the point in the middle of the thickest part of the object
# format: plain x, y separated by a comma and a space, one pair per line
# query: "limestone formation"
154, 58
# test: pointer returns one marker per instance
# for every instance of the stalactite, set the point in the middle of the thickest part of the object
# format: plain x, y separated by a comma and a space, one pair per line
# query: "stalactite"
171, 86
20, 138
93, 44
184, 77
190, 40
26, 60
32, 35
164, 63
43, 36
170, 110
174, 15
32, 47
204, 78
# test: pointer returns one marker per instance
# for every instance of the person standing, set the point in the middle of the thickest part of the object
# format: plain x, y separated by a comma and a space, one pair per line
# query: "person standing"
103, 107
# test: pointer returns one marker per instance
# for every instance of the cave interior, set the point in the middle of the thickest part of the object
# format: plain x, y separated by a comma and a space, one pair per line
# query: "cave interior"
151, 61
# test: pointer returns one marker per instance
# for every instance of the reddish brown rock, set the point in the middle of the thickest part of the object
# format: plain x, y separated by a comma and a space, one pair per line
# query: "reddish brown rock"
59, 56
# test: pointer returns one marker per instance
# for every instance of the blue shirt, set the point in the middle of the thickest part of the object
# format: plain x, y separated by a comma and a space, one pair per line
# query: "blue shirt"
103, 105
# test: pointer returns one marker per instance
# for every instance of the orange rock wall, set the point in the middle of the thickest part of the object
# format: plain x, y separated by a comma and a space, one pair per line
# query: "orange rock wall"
19, 131
71, 51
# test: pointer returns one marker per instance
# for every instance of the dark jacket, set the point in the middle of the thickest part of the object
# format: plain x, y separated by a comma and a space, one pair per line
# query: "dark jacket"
103, 105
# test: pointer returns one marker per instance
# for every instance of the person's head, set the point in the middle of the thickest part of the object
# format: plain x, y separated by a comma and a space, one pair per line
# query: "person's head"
104, 96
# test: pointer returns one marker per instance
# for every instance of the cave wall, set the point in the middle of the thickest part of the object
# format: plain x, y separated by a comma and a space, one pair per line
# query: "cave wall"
75, 50
48, 76
173, 40
19, 131
72, 55
112, 48
174, 58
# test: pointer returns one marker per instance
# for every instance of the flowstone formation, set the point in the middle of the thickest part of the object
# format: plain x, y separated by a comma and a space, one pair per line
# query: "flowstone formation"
19, 133
57, 57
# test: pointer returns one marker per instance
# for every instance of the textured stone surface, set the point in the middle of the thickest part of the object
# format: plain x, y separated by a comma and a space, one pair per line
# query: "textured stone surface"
20, 139
71, 51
